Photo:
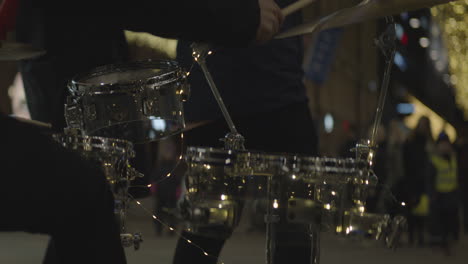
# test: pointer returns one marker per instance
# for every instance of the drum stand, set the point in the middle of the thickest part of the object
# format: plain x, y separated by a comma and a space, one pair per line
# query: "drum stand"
122, 198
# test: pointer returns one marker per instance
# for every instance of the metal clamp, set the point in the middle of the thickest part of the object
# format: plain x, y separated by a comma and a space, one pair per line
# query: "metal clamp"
129, 240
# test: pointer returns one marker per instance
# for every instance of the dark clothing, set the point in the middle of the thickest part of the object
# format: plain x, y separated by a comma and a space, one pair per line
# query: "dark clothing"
417, 180
80, 35
444, 217
417, 170
290, 130
416, 227
50, 190
253, 80
462, 156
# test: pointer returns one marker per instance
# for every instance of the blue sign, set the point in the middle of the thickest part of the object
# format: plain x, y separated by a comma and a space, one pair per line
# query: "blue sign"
321, 58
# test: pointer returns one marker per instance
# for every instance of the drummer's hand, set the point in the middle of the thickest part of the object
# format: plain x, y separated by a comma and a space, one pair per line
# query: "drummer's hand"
270, 20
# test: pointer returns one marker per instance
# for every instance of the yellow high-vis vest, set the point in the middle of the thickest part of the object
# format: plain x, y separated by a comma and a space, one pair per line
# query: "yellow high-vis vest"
446, 174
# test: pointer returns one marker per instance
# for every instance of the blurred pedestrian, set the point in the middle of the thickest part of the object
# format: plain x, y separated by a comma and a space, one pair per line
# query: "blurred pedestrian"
415, 184
397, 135
445, 198
462, 155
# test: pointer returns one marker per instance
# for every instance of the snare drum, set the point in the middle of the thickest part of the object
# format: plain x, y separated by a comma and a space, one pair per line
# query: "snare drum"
307, 188
139, 102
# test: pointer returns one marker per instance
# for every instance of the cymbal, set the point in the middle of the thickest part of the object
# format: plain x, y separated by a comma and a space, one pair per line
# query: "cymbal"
14, 51
366, 10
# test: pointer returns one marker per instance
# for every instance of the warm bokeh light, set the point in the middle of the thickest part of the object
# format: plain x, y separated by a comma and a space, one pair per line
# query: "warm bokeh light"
438, 124
453, 21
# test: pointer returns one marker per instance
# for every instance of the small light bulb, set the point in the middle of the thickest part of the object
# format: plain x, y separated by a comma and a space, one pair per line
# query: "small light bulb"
275, 204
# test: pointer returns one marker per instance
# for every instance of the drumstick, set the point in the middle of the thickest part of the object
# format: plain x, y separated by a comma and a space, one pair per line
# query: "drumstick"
296, 6
33, 122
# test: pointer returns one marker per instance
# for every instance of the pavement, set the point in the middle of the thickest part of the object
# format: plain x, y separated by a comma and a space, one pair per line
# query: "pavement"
243, 248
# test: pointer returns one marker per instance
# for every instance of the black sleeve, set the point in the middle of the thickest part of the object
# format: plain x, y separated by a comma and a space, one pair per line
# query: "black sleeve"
229, 23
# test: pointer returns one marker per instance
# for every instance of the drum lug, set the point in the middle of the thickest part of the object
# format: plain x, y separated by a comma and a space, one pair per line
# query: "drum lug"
73, 115
233, 141
150, 107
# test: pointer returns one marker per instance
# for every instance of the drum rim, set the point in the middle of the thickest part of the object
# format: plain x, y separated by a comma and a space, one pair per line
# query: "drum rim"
124, 147
302, 166
170, 68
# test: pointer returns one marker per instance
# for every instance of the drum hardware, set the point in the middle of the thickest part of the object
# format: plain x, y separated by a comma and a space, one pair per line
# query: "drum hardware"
387, 45
129, 240
233, 140
139, 102
209, 166
113, 155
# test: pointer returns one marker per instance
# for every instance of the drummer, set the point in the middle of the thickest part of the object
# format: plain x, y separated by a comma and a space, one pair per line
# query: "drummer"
48, 189
263, 89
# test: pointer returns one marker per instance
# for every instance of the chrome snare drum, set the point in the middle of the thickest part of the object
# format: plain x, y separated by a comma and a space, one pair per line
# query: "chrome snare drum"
139, 102
305, 189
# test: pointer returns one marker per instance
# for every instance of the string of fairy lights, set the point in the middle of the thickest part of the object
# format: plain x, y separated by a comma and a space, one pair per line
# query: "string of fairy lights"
453, 22
177, 232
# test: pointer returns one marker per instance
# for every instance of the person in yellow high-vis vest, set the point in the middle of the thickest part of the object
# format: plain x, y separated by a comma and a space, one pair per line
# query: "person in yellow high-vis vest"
444, 200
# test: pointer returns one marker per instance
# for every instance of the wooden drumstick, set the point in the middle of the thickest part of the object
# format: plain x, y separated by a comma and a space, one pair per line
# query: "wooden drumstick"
296, 6
35, 123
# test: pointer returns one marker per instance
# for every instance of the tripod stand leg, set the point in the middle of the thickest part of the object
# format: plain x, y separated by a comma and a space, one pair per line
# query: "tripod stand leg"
271, 219
314, 234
